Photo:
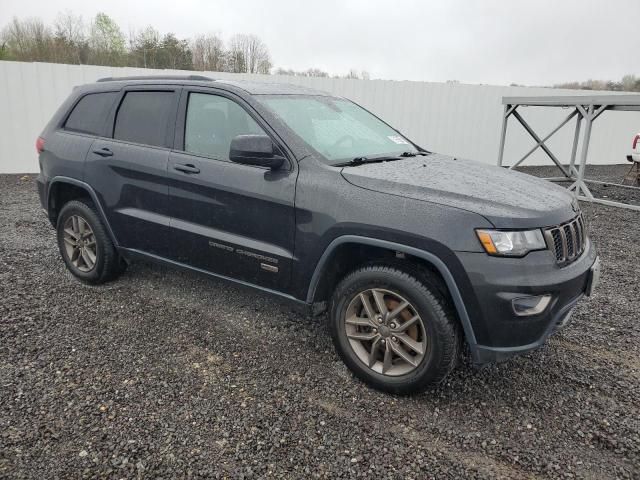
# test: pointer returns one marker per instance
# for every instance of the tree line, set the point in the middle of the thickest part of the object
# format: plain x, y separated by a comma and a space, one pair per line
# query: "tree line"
628, 83
102, 42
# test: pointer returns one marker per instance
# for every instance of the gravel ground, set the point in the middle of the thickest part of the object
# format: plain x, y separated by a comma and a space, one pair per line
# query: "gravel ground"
164, 374
603, 173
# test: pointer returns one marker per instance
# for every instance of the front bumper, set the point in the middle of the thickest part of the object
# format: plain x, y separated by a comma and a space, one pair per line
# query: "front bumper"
496, 281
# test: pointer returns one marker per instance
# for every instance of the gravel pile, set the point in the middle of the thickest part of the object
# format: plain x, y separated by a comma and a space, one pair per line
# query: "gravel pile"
163, 374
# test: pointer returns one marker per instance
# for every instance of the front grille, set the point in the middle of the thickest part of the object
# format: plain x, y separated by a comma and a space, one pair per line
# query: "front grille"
567, 241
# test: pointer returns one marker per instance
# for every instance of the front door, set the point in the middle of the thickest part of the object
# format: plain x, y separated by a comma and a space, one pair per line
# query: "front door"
230, 219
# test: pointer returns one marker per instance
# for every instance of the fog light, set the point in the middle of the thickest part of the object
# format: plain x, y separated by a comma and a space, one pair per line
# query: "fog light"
533, 305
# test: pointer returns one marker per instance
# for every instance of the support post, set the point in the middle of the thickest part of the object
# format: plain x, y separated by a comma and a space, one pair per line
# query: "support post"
576, 139
580, 185
503, 134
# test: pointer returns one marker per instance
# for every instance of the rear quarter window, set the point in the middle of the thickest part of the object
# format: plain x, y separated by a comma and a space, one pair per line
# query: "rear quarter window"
89, 114
143, 117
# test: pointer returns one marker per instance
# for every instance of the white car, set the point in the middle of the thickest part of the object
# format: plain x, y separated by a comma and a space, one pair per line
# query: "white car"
635, 149
633, 176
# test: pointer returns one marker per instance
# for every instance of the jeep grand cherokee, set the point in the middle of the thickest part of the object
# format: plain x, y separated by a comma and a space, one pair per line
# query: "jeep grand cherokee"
310, 197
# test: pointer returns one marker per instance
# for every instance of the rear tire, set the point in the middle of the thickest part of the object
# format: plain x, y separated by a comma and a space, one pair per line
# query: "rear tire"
399, 350
85, 246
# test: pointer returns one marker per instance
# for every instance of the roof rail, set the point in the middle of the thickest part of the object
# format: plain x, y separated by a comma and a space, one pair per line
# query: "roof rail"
158, 77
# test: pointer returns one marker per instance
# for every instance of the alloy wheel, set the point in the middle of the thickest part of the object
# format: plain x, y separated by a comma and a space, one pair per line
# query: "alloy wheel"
385, 332
80, 243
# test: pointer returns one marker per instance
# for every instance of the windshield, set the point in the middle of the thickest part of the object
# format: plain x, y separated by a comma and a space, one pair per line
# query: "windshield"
338, 129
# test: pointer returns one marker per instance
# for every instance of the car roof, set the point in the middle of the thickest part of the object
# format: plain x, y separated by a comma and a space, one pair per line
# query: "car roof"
246, 86
272, 88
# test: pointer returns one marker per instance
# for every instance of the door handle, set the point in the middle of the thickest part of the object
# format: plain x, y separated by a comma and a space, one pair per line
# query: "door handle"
186, 168
104, 152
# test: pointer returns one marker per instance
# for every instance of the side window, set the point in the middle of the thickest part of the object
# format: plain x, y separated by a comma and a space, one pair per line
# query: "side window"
89, 114
143, 117
212, 122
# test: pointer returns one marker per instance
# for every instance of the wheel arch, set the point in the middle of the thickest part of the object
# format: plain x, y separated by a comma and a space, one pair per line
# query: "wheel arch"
430, 258
73, 189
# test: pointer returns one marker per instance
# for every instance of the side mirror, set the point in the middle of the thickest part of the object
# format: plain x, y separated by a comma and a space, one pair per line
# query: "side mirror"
255, 150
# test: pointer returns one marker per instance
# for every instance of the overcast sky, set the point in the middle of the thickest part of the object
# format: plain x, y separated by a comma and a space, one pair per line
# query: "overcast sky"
537, 42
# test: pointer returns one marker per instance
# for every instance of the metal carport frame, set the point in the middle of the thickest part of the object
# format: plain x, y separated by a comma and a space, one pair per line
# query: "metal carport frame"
586, 108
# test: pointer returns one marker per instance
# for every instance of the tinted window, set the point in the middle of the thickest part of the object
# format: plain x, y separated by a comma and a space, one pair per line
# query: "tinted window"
143, 117
212, 122
89, 114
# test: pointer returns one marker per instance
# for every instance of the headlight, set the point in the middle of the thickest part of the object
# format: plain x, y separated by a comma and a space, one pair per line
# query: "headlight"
511, 244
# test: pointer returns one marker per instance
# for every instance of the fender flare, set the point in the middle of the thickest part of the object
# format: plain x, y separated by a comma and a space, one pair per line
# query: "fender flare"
433, 259
94, 197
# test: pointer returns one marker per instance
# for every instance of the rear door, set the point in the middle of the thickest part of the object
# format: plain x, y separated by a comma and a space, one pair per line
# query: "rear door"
68, 146
230, 219
129, 169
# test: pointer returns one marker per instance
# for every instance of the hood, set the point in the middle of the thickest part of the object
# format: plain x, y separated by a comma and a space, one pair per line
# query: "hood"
506, 198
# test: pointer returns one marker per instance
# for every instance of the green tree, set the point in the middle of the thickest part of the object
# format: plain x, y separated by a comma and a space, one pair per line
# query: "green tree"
208, 53
106, 41
145, 49
28, 40
628, 83
175, 54
70, 39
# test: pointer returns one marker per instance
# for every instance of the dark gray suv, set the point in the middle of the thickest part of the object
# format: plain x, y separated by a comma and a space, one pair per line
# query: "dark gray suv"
312, 198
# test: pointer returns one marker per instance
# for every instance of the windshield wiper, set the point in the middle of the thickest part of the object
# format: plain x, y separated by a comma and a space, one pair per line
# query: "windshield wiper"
413, 154
362, 160
384, 158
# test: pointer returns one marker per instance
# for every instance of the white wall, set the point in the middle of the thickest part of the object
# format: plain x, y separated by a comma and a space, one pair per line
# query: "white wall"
461, 120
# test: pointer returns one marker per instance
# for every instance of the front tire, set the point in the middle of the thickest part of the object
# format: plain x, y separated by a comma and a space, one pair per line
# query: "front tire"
395, 331
85, 246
